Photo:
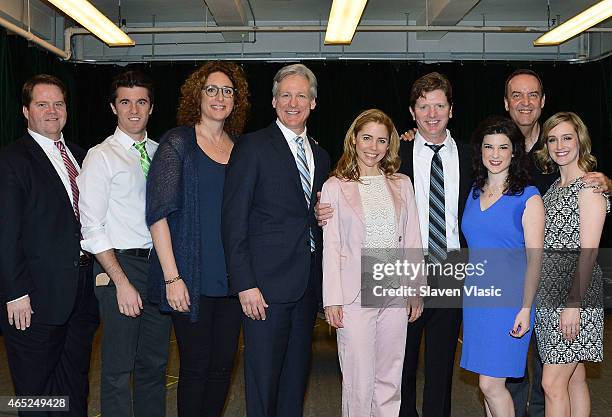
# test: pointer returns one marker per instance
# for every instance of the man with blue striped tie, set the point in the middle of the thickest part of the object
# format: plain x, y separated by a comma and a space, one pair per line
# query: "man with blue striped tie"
440, 169
273, 245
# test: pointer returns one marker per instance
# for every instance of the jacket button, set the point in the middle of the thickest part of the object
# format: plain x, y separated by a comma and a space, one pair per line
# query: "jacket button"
400, 238
76, 263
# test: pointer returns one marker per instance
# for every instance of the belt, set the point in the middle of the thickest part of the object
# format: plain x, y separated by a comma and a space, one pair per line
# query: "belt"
85, 260
141, 253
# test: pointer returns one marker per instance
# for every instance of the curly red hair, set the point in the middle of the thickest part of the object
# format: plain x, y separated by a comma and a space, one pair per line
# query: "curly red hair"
189, 110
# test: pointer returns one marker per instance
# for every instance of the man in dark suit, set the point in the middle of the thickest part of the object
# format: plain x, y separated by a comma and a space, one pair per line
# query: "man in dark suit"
45, 280
431, 106
273, 245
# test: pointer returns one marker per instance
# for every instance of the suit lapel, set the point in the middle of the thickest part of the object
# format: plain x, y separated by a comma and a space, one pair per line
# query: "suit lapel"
350, 190
406, 152
320, 174
50, 175
279, 143
45, 164
395, 190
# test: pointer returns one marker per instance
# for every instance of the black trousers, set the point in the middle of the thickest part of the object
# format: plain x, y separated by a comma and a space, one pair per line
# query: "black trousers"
134, 349
277, 356
207, 349
528, 402
441, 327
54, 359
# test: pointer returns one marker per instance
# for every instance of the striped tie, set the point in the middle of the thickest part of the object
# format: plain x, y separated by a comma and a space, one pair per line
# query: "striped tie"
145, 161
437, 216
302, 167
72, 174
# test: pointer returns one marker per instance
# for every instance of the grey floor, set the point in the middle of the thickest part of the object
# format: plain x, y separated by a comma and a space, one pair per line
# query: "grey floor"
323, 396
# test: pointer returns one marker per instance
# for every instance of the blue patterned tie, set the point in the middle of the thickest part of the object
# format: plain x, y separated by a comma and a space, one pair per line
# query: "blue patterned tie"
437, 214
302, 166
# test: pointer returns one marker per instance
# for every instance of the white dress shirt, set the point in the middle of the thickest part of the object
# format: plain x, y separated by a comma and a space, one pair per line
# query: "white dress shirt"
112, 201
290, 138
421, 159
55, 156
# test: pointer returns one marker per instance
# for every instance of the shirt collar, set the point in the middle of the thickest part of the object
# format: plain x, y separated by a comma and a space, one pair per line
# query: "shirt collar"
288, 133
419, 142
126, 141
45, 142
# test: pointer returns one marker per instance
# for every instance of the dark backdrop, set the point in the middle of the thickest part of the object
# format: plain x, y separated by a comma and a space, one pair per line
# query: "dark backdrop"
345, 88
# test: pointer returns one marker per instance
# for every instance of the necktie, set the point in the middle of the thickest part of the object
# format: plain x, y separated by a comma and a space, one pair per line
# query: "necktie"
145, 161
302, 166
437, 216
72, 174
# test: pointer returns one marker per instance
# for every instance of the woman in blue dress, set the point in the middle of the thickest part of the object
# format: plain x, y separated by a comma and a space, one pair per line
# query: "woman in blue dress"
503, 216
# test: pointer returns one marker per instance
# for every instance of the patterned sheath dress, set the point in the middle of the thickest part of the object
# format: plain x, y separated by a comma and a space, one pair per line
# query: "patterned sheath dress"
562, 250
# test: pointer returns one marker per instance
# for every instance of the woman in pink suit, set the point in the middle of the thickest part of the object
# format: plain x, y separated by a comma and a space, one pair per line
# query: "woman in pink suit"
375, 209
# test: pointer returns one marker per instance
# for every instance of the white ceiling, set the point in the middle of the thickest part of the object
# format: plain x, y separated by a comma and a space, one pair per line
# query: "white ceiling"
141, 11
278, 43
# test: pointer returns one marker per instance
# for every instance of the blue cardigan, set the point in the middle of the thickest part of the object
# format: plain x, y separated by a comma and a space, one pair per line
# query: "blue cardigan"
172, 185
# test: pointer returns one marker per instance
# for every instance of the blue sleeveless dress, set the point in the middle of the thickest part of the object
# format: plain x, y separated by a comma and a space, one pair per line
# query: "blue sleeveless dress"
495, 239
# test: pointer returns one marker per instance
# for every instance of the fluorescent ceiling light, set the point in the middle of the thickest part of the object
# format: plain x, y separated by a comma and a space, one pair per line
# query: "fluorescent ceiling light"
577, 24
343, 20
94, 21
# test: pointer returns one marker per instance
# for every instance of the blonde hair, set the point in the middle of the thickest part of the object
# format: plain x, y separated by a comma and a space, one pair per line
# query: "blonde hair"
347, 167
586, 161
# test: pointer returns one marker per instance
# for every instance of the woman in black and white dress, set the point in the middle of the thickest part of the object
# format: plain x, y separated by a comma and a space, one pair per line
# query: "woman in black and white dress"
569, 313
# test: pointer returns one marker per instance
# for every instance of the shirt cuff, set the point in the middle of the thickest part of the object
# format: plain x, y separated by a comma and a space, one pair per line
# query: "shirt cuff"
17, 299
96, 245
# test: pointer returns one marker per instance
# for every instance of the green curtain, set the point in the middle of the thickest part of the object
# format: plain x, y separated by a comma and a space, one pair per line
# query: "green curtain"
345, 89
19, 61
9, 98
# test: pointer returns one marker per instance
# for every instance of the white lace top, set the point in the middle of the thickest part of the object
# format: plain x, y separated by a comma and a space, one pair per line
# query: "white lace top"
379, 213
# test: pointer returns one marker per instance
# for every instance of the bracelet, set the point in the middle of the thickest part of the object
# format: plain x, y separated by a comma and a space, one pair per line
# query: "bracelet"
171, 280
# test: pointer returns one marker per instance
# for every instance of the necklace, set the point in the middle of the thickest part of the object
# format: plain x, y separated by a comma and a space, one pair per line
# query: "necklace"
492, 191
219, 148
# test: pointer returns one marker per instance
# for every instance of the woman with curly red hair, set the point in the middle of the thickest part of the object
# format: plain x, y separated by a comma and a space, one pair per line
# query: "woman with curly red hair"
188, 275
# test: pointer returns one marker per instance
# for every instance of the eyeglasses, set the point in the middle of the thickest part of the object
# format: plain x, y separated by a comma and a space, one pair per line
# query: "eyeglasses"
213, 90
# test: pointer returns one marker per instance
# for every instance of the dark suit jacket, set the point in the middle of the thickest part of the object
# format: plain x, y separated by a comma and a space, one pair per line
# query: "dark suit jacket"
465, 174
39, 242
266, 221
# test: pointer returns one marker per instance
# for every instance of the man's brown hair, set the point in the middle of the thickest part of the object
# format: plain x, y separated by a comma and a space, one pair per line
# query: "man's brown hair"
28, 87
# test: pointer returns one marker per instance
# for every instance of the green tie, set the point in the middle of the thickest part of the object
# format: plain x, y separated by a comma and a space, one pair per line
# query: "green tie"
145, 161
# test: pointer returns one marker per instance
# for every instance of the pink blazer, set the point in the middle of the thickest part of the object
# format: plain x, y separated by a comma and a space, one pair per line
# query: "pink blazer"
343, 236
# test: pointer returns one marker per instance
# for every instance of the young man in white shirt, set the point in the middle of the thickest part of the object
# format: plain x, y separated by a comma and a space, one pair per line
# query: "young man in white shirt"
112, 207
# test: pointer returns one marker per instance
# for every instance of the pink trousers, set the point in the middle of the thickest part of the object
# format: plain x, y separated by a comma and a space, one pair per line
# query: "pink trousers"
371, 351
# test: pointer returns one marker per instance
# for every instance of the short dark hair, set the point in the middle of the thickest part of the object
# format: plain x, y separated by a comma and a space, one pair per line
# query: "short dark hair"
428, 83
518, 176
130, 79
523, 71
28, 87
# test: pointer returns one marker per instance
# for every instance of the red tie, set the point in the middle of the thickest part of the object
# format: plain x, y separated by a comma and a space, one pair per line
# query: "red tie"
72, 174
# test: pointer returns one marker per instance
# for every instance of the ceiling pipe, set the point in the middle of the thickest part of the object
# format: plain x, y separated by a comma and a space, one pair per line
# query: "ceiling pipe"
73, 31
321, 28
33, 38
